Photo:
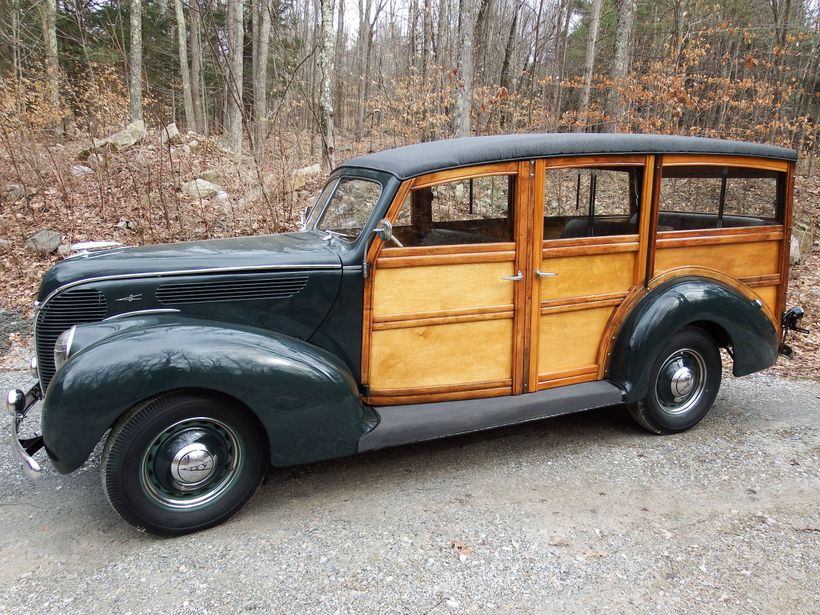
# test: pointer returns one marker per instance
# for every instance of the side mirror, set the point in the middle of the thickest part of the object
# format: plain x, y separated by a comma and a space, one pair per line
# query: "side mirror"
384, 231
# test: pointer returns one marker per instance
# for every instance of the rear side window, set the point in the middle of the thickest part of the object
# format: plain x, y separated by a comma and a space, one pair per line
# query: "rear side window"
592, 202
708, 197
478, 210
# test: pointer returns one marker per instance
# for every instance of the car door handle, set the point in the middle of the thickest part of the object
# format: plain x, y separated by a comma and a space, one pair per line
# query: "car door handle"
545, 274
513, 278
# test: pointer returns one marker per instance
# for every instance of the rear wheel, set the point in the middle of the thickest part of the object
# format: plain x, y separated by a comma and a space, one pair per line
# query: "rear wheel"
183, 462
683, 382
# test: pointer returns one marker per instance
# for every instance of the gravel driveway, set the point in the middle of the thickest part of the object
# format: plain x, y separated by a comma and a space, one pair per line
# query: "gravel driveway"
575, 514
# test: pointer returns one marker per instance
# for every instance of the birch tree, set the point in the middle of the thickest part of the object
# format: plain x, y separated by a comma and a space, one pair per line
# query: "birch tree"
233, 77
135, 63
589, 62
327, 46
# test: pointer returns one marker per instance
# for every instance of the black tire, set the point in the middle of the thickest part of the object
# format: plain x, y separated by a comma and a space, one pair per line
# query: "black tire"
183, 462
689, 359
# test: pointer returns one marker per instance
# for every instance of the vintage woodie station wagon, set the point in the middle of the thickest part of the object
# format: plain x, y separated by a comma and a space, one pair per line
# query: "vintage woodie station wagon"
434, 289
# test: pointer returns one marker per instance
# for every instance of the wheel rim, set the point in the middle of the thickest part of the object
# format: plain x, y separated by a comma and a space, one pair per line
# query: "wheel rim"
192, 463
681, 382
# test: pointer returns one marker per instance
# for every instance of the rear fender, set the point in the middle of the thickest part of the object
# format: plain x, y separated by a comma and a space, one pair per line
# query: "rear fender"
691, 300
305, 398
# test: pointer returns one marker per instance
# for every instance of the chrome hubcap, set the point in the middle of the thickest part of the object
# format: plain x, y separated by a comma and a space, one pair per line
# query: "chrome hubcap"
681, 381
191, 463
192, 466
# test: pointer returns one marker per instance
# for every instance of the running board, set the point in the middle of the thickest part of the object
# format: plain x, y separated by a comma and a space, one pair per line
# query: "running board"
419, 422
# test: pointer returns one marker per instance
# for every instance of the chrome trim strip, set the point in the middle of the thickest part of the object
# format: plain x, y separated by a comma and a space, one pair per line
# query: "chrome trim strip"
141, 313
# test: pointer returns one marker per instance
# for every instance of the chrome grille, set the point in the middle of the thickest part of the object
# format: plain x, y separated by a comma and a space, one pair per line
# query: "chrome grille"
231, 290
70, 308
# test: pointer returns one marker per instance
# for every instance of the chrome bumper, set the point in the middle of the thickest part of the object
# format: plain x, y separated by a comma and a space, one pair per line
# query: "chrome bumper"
18, 404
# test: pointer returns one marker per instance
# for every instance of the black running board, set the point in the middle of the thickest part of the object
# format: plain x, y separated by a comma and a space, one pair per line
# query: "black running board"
419, 422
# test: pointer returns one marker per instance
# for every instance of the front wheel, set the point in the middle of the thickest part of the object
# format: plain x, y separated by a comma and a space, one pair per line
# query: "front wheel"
683, 382
183, 462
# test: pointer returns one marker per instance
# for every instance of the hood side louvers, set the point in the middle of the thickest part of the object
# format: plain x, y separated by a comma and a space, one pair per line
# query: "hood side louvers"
234, 290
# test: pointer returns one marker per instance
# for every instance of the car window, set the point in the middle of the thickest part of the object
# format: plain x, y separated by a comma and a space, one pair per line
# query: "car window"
478, 210
592, 202
707, 197
349, 206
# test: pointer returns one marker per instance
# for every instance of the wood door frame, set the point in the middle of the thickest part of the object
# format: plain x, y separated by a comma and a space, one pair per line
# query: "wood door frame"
639, 242
380, 256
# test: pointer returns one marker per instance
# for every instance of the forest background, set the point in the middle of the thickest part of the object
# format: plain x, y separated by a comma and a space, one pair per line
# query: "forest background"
146, 121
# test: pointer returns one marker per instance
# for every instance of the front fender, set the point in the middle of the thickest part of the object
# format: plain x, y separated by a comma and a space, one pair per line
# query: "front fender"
305, 398
681, 302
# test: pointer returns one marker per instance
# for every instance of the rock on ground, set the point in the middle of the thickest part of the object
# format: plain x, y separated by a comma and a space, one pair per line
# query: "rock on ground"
200, 188
44, 242
170, 134
120, 141
78, 170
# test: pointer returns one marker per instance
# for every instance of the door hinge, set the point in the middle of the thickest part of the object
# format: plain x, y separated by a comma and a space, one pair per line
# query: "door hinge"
532, 168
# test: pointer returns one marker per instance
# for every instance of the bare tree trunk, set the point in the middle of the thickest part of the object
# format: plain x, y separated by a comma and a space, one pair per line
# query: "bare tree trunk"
341, 47
197, 94
233, 78
464, 88
428, 38
361, 44
190, 122
589, 64
48, 14
327, 47
412, 34
505, 80
620, 61
135, 63
480, 36
261, 47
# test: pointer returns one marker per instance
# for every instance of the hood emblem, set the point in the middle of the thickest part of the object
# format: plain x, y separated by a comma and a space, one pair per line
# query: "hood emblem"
130, 298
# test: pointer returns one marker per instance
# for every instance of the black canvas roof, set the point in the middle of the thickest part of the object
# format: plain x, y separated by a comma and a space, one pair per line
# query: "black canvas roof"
413, 160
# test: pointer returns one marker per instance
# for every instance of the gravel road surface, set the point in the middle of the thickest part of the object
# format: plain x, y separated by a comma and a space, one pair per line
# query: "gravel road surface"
577, 514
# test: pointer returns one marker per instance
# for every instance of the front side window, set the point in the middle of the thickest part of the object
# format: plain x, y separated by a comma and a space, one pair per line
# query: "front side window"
592, 201
478, 210
345, 206
709, 197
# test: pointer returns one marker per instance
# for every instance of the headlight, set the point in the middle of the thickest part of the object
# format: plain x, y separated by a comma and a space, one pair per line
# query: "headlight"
62, 347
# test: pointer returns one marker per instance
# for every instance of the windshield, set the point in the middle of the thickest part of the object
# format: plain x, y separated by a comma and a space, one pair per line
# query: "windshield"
345, 205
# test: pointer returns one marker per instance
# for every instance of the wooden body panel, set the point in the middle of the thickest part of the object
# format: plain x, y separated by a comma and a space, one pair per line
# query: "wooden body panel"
446, 355
440, 324
583, 276
745, 261
441, 287
569, 340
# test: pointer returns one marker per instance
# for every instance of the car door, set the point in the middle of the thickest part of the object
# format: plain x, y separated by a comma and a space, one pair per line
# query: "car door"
443, 312
591, 221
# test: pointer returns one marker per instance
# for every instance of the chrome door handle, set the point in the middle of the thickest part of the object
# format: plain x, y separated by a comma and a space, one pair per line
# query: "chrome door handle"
513, 278
545, 274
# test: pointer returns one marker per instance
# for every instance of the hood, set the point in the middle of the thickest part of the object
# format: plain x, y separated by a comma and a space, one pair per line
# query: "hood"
296, 250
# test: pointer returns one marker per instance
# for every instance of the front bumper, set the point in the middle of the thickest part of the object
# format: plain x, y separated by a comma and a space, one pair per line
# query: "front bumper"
18, 404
